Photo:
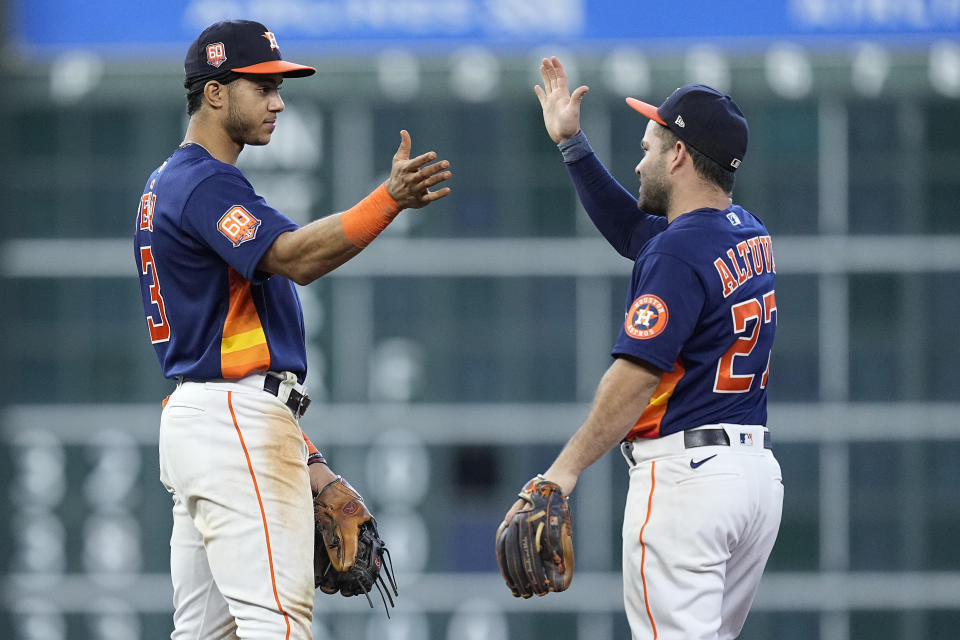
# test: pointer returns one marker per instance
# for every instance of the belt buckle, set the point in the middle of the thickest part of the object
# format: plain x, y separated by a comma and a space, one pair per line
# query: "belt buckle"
301, 404
299, 408
626, 447
287, 380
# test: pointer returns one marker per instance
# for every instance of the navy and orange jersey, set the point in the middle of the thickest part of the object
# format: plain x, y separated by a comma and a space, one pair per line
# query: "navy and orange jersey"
702, 308
200, 232
701, 305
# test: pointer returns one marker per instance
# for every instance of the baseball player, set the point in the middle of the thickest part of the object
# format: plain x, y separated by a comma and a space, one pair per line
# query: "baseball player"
217, 268
686, 394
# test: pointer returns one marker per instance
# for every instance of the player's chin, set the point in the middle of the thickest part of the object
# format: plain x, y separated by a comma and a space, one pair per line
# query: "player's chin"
651, 206
259, 139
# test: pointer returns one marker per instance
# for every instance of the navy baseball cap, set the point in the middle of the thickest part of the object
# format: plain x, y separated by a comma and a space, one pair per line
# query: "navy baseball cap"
238, 46
706, 119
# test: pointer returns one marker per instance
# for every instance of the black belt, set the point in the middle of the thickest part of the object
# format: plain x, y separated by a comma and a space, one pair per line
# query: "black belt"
296, 402
715, 438
704, 438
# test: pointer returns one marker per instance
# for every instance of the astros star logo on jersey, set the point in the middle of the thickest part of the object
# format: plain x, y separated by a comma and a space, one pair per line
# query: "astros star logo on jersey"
647, 317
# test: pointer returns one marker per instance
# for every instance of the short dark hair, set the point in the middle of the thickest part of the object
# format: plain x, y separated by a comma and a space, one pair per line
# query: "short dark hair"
708, 169
195, 89
194, 102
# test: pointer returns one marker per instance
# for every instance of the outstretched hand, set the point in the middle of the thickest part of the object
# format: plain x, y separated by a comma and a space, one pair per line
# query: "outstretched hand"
411, 178
561, 110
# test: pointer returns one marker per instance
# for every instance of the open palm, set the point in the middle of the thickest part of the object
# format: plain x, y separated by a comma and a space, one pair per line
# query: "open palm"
561, 110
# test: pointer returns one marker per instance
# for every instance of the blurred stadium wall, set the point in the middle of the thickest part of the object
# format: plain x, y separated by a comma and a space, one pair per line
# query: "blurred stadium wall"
454, 357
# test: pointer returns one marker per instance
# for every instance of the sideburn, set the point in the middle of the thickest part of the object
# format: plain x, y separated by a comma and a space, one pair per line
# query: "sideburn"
234, 124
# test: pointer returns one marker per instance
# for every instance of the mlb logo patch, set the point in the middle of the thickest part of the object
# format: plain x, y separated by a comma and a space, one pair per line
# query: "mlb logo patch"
747, 439
216, 54
238, 225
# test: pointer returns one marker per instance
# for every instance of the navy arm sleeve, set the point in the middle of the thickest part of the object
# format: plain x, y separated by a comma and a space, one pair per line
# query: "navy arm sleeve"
612, 208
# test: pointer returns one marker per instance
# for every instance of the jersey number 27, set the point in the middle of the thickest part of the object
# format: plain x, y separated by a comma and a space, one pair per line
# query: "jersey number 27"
760, 310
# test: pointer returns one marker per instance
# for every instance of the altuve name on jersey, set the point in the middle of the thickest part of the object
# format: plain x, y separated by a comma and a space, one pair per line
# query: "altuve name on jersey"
751, 257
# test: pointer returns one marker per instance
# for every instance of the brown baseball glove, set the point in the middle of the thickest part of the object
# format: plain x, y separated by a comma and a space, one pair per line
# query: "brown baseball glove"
348, 555
535, 548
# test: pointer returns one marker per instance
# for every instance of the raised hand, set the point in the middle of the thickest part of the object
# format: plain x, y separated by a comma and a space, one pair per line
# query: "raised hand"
411, 178
561, 111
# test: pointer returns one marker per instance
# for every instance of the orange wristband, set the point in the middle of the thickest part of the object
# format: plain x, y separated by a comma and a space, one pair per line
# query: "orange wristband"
365, 220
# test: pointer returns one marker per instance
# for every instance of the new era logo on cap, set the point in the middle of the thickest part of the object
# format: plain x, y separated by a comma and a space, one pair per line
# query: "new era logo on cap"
679, 122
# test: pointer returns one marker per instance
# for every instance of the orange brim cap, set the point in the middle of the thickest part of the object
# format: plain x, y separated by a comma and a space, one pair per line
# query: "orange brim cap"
646, 109
287, 69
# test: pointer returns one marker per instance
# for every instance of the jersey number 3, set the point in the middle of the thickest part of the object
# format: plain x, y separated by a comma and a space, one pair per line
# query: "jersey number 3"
727, 381
159, 331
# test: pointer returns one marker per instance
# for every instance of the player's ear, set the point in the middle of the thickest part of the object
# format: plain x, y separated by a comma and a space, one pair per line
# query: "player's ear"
676, 155
215, 94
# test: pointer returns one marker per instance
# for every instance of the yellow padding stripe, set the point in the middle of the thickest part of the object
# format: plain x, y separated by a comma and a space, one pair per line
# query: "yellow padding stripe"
243, 340
661, 400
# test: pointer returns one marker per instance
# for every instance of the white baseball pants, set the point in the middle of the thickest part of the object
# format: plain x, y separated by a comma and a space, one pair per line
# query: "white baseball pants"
698, 527
241, 552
